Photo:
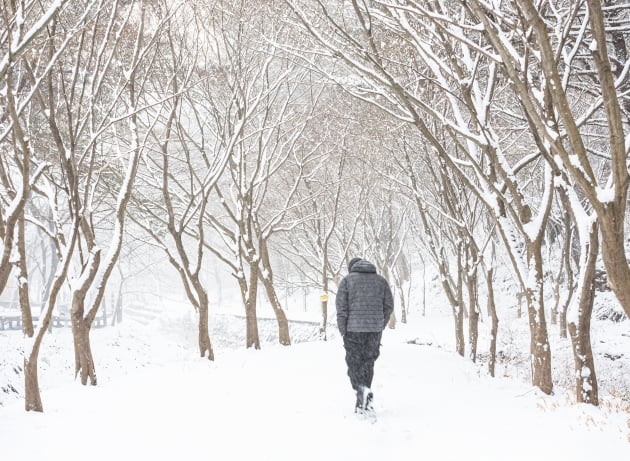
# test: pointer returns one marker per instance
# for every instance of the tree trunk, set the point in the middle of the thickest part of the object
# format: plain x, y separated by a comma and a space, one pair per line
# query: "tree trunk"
585, 377
563, 321
612, 214
566, 262
205, 346
9, 232
556, 299
33, 399
284, 336
118, 314
561, 302
54, 262
283, 324
391, 324
470, 277
399, 281
403, 305
580, 327
458, 309
83, 362
323, 330
104, 307
492, 309
25, 302
473, 322
266, 276
454, 295
539, 339
252, 338
460, 343
614, 256
324, 299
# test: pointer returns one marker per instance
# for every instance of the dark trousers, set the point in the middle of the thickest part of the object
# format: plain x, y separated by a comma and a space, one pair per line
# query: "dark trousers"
362, 350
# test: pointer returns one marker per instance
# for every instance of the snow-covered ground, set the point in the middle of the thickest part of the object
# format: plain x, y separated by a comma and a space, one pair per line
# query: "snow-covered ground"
156, 400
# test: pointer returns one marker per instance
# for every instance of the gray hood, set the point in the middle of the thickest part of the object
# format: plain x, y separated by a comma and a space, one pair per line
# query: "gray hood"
352, 262
363, 266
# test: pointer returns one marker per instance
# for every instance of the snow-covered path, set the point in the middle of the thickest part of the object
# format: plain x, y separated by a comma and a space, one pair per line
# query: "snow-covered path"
296, 404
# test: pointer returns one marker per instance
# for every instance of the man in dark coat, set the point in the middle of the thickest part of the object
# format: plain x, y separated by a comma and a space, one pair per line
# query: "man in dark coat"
364, 303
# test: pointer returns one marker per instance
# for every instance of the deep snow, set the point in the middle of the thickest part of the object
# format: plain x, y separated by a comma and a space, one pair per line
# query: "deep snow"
156, 401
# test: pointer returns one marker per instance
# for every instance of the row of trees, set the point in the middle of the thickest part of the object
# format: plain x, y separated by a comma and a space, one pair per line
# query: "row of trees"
183, 120
74, 83
307, 132
521, 109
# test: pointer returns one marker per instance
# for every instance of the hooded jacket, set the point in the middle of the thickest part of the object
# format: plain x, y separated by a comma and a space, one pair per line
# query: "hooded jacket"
364, 300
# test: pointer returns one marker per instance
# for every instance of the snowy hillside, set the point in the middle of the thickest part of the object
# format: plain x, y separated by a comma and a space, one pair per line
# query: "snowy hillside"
170, 338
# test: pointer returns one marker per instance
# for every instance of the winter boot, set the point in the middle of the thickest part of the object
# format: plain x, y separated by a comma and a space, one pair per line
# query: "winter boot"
368, 400
363, 408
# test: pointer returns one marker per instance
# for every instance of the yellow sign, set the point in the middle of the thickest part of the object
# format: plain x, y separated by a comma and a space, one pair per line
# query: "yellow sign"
323, 297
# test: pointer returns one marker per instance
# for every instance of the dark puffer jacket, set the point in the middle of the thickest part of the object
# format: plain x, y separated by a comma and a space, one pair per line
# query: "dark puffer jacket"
364, 300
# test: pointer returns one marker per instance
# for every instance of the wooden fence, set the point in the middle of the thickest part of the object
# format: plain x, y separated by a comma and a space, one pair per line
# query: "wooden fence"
14, 322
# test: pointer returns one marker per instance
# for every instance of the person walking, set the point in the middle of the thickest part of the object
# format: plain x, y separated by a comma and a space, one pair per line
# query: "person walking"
364, 304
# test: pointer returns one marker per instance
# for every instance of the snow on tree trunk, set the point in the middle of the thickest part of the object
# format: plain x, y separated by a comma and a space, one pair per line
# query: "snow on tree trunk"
566, 297
562, 325
33, 401
250, 294
539, 339
579, 325
266, 275
284, 337
614, 256
84, 363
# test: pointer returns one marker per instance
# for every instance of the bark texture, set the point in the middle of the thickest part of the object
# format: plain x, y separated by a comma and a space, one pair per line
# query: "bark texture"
492, 309
249, 293
284, 337
25, 302
539, 338
585, 377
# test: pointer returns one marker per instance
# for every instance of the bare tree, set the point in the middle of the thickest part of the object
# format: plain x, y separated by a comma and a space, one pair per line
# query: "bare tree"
332, 200
560, 239
77, 92
265, 146
113, 75
34, 50
177, 180
24, 24
559, 41
580, 306
361, 36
